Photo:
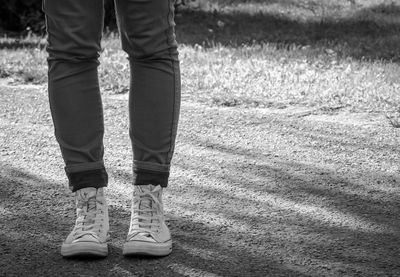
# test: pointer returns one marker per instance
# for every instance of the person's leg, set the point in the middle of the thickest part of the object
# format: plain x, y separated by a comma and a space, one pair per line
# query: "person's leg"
74, 30
147, 34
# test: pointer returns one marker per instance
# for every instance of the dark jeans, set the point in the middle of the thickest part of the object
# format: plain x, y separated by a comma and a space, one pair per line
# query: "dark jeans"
147, 33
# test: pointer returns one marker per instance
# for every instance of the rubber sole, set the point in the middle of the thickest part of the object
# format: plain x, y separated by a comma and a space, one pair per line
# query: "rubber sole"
141, 248
84, 249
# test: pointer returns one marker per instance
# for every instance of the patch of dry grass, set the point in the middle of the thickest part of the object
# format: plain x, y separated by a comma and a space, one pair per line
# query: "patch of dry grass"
263, 76
249, 76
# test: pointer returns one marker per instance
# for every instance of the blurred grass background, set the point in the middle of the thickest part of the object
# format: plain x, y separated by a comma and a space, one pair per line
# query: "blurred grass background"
331, 55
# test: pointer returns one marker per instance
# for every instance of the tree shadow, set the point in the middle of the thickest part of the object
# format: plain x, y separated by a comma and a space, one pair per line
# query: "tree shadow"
361, 36
37, 214
337, 178
334, 212
304, 209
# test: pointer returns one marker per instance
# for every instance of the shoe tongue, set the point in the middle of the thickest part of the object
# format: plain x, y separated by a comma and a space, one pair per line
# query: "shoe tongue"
90, 213
143, 188
88, 197
145, 204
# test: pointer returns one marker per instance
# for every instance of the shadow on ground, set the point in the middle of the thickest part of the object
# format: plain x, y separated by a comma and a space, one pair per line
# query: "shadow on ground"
37, 215
360, 36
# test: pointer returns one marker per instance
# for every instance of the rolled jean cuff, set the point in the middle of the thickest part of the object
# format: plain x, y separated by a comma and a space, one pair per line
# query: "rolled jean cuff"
145, 173
96, 178
147, 177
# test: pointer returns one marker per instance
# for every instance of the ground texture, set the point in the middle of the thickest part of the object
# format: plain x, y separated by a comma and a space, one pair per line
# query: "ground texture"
253, 192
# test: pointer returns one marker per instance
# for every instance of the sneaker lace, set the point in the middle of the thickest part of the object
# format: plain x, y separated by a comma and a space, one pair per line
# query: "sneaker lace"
147, 212
89, 219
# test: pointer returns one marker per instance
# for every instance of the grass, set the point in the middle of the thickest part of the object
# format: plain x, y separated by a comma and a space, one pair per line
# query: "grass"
23, 60
324, 54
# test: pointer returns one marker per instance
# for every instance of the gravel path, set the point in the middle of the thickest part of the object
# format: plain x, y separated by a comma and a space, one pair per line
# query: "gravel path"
254, 192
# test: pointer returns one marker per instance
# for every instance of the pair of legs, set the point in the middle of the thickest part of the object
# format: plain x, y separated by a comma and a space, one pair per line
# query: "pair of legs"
147, 33
146, 28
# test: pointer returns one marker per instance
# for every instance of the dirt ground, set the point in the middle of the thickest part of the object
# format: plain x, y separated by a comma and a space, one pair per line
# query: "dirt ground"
253, 192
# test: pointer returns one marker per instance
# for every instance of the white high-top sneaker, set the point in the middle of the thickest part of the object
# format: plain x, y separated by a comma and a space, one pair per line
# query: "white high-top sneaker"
148, 233
90, 234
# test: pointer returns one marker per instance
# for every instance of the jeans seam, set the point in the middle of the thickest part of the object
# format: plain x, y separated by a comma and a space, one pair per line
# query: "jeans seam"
169, 153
